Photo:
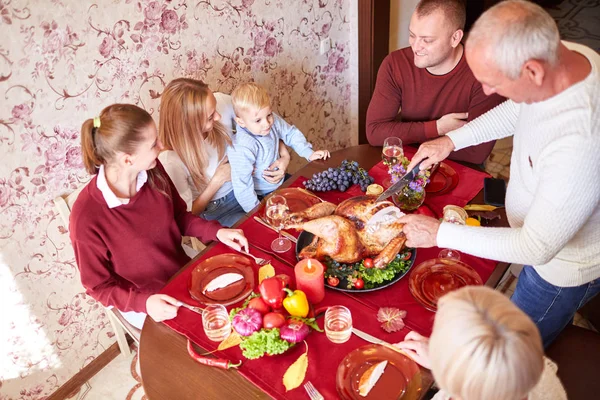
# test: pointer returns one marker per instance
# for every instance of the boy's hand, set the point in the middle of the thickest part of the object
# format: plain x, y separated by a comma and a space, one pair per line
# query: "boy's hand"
319, 155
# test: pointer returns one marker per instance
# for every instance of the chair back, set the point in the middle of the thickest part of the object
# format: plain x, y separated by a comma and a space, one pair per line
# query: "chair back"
64, 204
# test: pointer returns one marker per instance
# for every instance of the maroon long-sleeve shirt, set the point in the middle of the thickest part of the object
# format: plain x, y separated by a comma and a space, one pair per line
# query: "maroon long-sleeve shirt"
127, 253
408, 100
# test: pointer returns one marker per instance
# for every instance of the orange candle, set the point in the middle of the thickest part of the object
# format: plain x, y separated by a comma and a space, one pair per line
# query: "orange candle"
309, 279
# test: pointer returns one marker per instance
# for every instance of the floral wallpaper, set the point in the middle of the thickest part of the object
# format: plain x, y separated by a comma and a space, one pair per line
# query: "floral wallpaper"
61, 62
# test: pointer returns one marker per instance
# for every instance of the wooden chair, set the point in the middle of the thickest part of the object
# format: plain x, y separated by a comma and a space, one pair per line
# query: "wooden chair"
120, 326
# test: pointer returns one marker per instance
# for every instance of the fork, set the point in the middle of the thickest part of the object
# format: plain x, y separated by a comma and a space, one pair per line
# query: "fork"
313, 393
257, 260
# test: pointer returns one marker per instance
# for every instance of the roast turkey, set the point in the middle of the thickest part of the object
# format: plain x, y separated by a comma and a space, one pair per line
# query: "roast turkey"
342, 232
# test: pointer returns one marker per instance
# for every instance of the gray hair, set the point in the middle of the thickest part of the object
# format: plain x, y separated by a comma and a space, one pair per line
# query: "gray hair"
516, 31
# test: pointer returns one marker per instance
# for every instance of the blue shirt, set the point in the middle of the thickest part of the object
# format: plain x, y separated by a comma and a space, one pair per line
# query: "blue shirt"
251, 154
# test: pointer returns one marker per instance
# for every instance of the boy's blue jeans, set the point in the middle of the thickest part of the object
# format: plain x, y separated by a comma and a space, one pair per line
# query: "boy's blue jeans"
551, 307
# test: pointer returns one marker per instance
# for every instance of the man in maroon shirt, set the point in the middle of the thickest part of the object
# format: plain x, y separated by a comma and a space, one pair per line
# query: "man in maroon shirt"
427, 90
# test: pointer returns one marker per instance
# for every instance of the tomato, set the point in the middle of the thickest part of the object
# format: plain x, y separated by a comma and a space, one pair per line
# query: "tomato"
273, 320
259, 305
359, 283
406, 256
333, 281
368, 262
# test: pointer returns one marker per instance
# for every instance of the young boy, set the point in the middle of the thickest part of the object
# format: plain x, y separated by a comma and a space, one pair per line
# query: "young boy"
256, 144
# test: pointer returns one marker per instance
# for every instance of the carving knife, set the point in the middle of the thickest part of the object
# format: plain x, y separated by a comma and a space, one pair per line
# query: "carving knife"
398, 186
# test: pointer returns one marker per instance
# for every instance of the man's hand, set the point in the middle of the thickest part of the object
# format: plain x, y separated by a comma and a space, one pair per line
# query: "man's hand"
433, 151
420, 230
450, 122
319, 155
161, 307
417, 348
233, 238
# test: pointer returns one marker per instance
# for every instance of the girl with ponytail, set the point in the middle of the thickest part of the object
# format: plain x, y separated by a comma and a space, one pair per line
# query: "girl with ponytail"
126, 224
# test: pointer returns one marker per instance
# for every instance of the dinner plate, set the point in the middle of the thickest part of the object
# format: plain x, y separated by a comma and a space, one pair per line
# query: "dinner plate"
305, 238
215, 266
297, 199
401, 378
433, 278
443, 180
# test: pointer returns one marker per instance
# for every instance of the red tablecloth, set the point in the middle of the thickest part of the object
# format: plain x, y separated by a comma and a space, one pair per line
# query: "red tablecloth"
267, 372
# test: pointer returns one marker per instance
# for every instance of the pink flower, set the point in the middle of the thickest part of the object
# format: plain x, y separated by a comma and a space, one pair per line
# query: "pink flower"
5, 193
107, 46
152, 12
340, 64
169, 21
66, 317
227, 68
73, 158
247, 3
260, 39
271, 47
54, 155
21, 111
53, 42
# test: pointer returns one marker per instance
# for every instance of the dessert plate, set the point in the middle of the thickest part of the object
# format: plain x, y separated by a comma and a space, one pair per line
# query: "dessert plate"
401, 378
443, 180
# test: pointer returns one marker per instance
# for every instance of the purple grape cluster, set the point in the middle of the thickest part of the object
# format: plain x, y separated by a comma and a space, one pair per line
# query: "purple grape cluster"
341, 178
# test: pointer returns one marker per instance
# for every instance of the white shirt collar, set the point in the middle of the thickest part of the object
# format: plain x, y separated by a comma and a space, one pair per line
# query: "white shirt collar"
111, 199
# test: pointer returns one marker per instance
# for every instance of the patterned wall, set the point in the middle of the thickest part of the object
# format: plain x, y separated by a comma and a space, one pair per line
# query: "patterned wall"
62, 61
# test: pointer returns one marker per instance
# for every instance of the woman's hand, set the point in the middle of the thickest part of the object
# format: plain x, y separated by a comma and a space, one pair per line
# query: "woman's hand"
319, 155
233, 238
161, 307
420, 230
276, 171
417, 348
222, 173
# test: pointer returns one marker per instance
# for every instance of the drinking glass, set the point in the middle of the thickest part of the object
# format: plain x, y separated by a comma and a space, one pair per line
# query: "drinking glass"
276, 212
215, 321
338, 324
391, 154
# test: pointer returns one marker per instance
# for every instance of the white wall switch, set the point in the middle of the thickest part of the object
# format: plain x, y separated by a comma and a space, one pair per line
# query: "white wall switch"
325, 45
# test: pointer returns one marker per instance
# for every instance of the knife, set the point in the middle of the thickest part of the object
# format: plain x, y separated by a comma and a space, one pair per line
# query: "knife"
195, 309
398, 186
374, 340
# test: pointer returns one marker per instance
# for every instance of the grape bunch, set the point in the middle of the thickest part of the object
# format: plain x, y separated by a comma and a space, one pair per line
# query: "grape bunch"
341, 178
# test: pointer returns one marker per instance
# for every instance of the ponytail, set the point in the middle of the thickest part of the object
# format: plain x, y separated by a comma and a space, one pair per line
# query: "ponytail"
91, 161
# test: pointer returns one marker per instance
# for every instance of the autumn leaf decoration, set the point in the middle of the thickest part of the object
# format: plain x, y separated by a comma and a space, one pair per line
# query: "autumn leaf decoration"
232, 340
294, 376
391, 318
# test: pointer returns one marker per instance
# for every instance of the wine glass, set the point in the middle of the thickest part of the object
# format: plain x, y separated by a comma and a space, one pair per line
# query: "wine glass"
391, 154
276, 212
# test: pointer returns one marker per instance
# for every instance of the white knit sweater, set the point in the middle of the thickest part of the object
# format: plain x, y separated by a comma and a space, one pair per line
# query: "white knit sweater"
553, 196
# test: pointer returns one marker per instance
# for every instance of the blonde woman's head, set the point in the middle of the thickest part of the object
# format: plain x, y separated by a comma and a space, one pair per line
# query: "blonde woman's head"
484, 347
188, 120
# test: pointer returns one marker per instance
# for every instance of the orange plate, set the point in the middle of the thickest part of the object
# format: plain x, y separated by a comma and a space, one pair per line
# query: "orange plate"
433, 278
443, 180
401, 378
213, 267
297, 199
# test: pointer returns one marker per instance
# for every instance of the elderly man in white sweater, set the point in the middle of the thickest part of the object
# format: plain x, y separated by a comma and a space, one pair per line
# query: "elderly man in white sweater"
553, 196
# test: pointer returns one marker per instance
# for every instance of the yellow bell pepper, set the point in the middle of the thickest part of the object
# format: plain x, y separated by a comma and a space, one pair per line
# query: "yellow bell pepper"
296, 303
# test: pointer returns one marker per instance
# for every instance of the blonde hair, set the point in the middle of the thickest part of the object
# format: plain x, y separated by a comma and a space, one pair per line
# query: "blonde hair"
183, 116
484, 347
249, 96
515, 32
121, 129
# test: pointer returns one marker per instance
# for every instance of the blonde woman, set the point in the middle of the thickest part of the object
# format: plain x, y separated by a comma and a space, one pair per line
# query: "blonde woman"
485, 347
196, 129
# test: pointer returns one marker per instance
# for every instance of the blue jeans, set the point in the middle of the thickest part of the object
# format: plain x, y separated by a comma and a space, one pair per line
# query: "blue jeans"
551, 307
226, 210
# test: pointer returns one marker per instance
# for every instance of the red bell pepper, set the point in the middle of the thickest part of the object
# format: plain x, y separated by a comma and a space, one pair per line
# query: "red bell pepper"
271, 291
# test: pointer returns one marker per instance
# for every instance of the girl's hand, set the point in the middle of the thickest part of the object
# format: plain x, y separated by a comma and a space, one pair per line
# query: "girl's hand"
161, 307
276, 171
233, 238
319, 155
222, 173
417, 348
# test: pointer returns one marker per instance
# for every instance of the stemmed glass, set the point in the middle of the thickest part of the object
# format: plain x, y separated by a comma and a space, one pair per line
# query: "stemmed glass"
276, 212
391, 154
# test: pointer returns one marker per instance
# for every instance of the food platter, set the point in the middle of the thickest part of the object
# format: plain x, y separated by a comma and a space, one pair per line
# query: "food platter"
207, 271
401, 378
405, 258
442, 180
433, 278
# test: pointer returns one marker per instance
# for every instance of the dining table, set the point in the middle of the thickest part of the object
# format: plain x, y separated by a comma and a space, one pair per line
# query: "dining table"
168, 372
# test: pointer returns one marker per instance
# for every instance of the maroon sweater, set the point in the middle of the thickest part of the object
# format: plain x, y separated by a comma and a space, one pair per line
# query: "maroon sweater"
423, 98
127, 253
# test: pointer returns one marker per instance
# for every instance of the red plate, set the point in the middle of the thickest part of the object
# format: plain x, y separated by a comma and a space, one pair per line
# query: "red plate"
433, 278
401, 378
213, 267
443, 180
298, 199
